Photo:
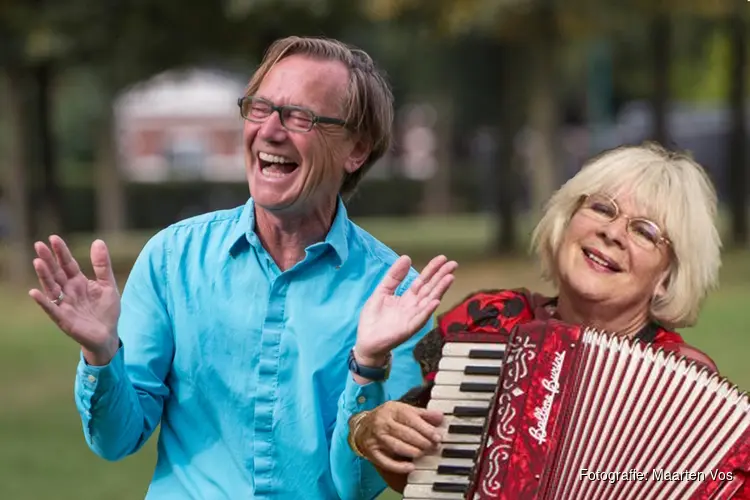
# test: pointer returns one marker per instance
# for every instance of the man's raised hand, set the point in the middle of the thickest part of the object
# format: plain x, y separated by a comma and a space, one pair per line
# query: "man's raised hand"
86, 310
388, 320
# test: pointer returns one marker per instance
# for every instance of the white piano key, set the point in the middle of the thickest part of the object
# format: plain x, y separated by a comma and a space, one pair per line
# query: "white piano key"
420, 491
459, 377
454, 392
456, 363
431, 462
462, 349
454, 420
446, 406
429, 477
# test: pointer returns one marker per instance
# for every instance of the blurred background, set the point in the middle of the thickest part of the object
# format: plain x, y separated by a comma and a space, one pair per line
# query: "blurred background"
119, 117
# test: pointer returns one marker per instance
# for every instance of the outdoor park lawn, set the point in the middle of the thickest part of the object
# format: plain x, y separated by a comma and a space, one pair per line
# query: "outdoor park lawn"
42, 450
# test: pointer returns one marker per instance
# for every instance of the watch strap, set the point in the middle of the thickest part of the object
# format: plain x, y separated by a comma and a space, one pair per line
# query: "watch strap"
376, 373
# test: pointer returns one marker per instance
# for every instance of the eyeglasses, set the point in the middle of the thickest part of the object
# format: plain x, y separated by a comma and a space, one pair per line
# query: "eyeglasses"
293, 118
644, 232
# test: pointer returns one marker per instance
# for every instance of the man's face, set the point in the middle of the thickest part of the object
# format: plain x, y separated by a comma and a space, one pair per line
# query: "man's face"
299, 171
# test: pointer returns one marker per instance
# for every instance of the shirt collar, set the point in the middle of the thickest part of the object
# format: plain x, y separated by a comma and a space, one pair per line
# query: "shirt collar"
243, 234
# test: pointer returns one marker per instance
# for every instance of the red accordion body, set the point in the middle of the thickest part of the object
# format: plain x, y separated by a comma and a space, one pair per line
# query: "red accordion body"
565, 398
603, 405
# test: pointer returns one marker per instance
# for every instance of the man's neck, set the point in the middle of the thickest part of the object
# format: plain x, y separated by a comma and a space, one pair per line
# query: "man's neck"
600, 316
285, 236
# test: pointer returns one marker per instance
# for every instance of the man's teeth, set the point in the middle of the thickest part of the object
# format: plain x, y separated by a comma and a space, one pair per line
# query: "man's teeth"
273, 158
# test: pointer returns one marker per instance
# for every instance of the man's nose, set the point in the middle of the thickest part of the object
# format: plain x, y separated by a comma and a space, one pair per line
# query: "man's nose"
271, 130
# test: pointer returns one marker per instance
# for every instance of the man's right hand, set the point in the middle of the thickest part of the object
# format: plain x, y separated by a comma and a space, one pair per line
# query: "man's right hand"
86, 310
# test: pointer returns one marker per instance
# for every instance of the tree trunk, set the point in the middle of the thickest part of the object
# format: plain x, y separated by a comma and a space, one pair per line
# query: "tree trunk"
110, 186
49, 215
19, 251
738, 159
508, 180
660, 45
543, 115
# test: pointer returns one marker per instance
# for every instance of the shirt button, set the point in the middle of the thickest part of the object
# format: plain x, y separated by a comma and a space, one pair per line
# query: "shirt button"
361, 400
92, 379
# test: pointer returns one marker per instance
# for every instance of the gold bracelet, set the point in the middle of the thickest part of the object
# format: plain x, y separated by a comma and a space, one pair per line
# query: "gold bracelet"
354, 424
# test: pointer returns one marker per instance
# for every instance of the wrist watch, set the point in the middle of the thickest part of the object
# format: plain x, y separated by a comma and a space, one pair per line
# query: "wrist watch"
375, 373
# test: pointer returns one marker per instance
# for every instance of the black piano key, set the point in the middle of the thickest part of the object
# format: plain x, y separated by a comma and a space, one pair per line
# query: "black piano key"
450, 487
476, 387
454, 470
471, 411
458, 453
482, 370
474, 430
486, 354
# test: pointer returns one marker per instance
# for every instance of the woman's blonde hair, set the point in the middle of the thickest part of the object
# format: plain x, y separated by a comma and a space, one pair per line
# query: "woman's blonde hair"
674, 191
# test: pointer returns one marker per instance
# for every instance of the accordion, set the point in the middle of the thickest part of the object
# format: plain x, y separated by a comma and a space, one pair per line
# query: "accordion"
563, 412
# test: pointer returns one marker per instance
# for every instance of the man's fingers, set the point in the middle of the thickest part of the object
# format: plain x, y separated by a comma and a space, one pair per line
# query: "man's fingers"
49, 286
46, 255
429, 288
387, 463
101, 262
427, 273
438, 290
395, 276
46, 304
64, 257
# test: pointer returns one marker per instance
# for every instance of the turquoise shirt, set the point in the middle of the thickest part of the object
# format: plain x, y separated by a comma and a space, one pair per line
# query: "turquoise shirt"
244, 366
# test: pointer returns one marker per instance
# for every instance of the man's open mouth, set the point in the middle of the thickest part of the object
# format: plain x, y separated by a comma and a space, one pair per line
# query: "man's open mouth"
275, 165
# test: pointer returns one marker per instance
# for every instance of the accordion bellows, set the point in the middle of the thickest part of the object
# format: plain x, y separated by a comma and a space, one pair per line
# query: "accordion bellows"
563, 412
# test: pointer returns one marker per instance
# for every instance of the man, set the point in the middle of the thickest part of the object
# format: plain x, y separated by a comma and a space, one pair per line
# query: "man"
240, 330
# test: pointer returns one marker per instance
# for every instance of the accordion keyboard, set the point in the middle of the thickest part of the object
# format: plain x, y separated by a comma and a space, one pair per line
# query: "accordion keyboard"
464, 387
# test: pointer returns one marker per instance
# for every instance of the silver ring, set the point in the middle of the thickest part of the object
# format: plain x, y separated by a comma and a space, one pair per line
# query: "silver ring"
59, 299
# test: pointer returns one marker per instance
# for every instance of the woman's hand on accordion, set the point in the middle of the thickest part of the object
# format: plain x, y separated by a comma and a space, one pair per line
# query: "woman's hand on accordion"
395, 433
388, 320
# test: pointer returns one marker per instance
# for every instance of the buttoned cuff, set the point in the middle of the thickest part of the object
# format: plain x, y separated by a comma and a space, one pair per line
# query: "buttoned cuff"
358, 398
93, 382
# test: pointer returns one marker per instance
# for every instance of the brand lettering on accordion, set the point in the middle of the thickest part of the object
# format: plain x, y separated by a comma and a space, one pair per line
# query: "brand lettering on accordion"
552, 386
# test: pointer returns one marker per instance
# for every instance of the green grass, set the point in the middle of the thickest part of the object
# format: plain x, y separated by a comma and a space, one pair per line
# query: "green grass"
42, 450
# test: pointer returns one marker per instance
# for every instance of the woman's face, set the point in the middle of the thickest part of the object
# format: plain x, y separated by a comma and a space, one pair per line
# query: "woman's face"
612, 255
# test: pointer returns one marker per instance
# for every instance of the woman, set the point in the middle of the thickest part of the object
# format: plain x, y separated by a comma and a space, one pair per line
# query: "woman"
631, 246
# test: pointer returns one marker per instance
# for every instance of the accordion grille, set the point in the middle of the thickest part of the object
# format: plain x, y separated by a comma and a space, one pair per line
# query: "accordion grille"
641, 424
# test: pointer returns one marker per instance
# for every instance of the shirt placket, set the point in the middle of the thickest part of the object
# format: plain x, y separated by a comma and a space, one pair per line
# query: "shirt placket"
268, 380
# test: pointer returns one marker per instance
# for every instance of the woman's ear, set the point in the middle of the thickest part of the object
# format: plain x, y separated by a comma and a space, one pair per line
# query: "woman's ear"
661, 285
357, 156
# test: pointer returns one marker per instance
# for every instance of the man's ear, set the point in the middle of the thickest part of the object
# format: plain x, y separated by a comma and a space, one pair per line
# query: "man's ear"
358, 156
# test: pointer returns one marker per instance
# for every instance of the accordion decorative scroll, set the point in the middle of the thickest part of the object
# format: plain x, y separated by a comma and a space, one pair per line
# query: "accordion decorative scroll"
570, 413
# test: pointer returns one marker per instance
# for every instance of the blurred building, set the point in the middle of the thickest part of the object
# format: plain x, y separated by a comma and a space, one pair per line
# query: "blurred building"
182, 125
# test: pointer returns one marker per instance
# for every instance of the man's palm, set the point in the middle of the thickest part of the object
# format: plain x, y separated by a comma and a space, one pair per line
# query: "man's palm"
86, 310
388, 320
